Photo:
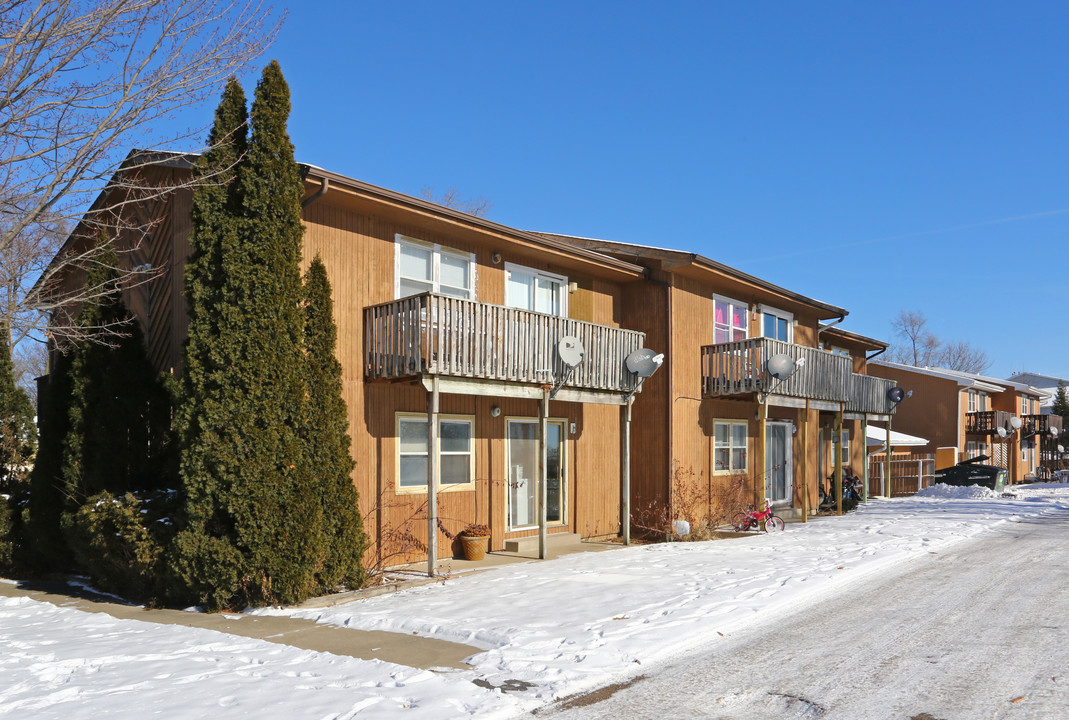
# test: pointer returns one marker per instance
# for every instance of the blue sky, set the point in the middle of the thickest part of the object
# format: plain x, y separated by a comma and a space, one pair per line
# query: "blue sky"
878, 156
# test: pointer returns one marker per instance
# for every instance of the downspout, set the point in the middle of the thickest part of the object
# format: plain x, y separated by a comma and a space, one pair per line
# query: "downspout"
323, 187
878, 352
669, 355
829, 326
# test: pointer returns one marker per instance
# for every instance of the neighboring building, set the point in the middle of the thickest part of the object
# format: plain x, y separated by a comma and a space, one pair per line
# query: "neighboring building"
977, 415
1045, 383
714, 416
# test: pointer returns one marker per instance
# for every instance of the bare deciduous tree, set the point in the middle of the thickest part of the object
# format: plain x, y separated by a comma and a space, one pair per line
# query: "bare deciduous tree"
921, 348
451, 199
81, 81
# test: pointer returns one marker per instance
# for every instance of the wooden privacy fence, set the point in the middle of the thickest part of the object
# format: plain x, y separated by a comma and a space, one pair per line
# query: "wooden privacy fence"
441, 335
909, 474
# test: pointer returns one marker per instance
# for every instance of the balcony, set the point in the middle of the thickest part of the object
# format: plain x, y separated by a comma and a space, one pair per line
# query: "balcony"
1042, 424
433, 334
986, 422
736, 369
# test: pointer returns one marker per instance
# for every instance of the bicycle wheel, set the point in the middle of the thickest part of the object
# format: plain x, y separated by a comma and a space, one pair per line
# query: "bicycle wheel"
740, 522
774, 524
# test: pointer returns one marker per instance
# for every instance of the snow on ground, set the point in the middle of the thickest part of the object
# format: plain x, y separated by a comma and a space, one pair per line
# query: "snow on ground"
548, 629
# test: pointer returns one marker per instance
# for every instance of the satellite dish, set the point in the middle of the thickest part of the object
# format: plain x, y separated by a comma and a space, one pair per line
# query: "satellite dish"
1054, 432
1061, 448
644, 362
571, 351
1002, 432
896, 395
781, 366
1015, 422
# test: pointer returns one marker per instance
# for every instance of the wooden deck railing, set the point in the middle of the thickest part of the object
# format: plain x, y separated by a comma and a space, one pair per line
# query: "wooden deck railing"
986, 422
440, 335
868, 394
1043, 423
738, 368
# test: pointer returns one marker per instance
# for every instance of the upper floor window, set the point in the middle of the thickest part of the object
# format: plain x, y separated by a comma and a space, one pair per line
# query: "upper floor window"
425, 267
777, 324
536, 290
977, 401
730, 321
838, 351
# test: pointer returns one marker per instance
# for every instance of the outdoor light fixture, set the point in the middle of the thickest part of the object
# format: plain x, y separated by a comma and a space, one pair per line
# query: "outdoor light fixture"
495, 411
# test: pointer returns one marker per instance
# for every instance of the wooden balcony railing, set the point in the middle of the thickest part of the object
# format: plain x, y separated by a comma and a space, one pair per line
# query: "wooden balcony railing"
440, 335
1042, 424
986, 422
738, 368
868, 394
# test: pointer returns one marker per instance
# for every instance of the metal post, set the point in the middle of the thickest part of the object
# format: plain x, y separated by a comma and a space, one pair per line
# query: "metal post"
886, 484
543, 465
762, 460
625, 475
837, 448
920, 475
805, 463
865, 458
432, 478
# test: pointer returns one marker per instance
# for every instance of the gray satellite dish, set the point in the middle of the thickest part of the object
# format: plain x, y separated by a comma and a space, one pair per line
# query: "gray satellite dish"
1054, 432
570, 350
1061, 448
780, 366
644, 362
1015, 422
896, 394
1002, 432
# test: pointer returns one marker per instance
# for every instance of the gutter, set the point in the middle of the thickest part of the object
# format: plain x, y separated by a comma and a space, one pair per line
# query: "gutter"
323, 187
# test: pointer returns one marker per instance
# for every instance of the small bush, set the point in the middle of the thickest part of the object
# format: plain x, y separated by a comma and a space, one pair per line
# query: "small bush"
7, 539
207, 571
118, 542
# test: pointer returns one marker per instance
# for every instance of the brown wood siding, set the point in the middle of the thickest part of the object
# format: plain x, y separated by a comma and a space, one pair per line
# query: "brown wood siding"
932, 412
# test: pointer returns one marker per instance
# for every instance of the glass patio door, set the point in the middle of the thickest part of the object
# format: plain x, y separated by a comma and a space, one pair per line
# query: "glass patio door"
778, 470
523, 471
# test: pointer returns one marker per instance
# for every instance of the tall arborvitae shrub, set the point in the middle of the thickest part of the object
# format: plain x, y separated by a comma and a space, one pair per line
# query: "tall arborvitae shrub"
119, 411
328, 437
18, 441
45, 549
254, 521
206, 564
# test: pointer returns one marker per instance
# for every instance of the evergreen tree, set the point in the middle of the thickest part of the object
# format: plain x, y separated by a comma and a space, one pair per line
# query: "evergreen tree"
328, 436
207, 565
46, 550
18, 434
119, 412
254, 520
1061, 402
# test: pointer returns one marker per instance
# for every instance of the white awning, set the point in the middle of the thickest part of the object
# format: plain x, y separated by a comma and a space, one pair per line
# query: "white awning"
877, 437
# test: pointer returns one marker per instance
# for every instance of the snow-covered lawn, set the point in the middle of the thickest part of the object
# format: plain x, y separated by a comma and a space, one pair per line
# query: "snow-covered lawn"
548, 629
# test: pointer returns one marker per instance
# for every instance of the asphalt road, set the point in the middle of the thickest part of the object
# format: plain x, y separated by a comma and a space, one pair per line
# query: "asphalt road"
977, 630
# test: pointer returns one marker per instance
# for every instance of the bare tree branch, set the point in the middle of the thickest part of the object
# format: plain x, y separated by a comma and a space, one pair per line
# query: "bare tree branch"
921, 348
81, 81
451, 199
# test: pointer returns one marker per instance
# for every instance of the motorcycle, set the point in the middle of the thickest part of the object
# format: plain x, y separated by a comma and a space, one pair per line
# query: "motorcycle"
851, 491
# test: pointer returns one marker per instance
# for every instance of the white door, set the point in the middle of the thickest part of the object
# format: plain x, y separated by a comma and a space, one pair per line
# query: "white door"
523, 471
778, 470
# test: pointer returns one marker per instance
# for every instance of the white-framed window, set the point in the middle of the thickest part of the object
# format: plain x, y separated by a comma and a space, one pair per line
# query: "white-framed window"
777, 324
730, 320
977, 401
834, 350
456, 453
536, 290
974, 448
729, 446
421, 267
844, 447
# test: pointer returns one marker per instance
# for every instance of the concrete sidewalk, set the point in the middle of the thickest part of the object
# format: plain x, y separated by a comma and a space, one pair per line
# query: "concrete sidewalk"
410, 650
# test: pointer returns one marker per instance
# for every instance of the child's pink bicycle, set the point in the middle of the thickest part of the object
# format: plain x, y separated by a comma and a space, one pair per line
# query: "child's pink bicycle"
754, 520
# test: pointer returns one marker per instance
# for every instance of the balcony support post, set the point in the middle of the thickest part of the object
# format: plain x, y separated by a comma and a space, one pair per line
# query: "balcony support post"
625, 474
762, 454
837, 448
805, 463
543, 466
432, 478
865, 455
885, 481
